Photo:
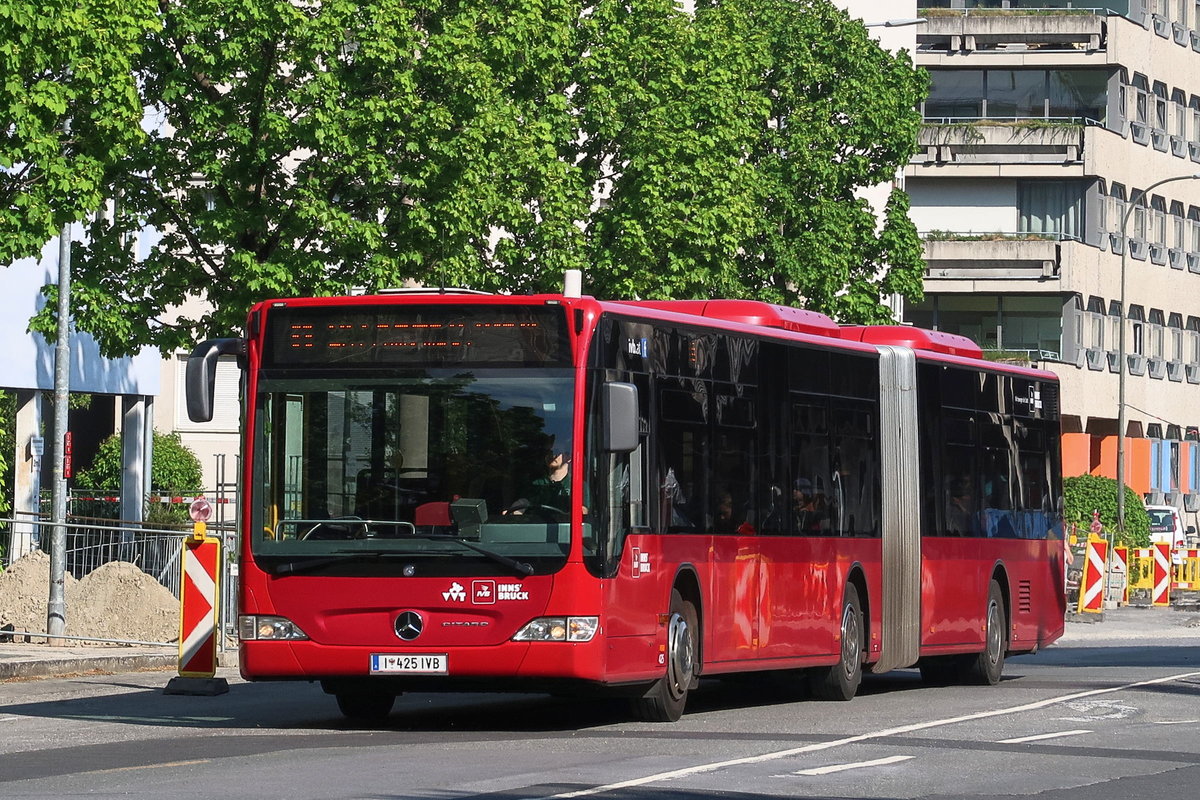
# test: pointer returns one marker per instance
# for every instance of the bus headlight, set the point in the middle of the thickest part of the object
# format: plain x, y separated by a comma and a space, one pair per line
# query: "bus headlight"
559, 629
268, 628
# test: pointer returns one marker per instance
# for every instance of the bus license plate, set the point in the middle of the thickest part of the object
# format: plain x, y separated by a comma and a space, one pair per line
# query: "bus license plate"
410, 663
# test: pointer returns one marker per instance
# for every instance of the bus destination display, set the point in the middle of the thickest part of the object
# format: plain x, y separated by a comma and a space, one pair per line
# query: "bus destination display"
417, 335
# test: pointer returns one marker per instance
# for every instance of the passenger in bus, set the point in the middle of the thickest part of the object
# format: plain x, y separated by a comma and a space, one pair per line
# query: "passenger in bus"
674, 503
730, 516
960, 511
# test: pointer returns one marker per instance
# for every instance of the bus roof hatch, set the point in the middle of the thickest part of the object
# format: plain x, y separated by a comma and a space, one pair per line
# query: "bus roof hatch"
916, 338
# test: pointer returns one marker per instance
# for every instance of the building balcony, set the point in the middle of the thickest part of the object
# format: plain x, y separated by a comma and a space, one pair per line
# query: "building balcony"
992, 257
957, 30
1032, 141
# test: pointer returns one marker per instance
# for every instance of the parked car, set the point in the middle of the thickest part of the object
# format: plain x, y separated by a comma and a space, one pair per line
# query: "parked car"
1167, 526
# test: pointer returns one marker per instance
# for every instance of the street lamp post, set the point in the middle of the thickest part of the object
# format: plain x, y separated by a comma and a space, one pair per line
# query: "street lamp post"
1121, 365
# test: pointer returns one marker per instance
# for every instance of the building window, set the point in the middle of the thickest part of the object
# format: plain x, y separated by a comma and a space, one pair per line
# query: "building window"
1014, 93
1050, 207
1018, 94
1024, 323
955, 93
1079, 93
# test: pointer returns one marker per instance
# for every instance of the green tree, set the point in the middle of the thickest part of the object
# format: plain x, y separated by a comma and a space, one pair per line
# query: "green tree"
1084, 494
69, 111
174, 468
309, 148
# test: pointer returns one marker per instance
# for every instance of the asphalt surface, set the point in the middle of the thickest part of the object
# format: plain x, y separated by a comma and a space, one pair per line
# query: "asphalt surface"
37, 659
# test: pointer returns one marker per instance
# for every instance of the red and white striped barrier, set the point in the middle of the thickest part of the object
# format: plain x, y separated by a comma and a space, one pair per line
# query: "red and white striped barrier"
1091, 585
198, 607
1160, 595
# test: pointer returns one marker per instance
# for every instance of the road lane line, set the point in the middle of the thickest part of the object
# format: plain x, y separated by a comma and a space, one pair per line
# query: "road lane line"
1175, 722
1041, 737
147, 766
862, 737
878, 762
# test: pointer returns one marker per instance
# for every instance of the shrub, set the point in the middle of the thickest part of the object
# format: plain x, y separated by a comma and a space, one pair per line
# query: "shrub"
174, 468
1084, 494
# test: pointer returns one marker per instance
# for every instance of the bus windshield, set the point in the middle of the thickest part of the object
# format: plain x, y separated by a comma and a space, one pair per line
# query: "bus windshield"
466, 469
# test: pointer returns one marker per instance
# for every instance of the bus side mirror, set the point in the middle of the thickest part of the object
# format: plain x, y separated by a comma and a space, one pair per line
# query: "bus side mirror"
201, 376
619, 410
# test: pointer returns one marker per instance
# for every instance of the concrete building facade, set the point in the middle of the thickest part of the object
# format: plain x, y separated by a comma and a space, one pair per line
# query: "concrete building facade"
1037, 189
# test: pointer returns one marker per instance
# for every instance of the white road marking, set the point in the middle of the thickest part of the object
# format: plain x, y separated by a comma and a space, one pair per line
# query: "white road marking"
879, 762
1176, 722
6, 719
1041, 737
148, 766
862, 737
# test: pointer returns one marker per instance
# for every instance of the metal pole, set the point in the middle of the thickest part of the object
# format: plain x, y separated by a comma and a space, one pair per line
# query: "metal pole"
56, 609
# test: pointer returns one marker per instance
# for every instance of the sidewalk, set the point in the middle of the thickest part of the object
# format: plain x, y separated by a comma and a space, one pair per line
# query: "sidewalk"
18, 660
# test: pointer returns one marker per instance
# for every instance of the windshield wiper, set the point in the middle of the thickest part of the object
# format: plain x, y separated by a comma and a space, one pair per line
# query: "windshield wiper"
340, 556
520, 566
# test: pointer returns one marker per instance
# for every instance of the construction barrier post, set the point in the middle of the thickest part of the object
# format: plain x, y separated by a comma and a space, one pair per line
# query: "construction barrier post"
1091, 586
1161, 595
199, 600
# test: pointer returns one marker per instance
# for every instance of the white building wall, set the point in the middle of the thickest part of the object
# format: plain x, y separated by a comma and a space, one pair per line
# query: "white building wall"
963, 206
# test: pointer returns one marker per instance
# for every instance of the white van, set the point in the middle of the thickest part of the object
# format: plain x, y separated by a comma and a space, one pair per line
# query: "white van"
1167, 526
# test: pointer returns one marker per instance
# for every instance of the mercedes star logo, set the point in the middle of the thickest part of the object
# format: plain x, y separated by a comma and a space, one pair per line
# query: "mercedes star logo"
409, 625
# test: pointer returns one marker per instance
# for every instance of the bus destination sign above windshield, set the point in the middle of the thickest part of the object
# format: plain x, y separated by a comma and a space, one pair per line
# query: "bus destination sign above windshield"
496, 335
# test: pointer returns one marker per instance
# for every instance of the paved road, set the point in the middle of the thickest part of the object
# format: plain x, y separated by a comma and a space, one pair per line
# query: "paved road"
1113, 711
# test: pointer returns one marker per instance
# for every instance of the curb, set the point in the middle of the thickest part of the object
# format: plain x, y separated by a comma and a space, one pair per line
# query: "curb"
91, 663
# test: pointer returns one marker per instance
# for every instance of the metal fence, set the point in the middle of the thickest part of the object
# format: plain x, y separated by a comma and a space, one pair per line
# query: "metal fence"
90, 543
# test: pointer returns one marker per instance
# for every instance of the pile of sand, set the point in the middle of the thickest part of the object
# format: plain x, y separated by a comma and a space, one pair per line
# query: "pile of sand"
116, 601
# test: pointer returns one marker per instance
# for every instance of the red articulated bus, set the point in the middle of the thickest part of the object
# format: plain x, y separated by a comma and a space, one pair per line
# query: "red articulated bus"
447, 491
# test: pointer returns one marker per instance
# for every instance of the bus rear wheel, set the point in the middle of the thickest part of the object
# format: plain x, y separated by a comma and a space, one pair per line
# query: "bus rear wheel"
665, 700
840, 681
365, 706
985, 668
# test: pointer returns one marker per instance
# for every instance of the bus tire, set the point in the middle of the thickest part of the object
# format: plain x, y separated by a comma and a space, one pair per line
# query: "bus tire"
365, 706
840, 681
985, 668
665, 700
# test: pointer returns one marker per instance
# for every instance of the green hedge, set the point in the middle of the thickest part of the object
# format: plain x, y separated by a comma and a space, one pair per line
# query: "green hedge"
1084, 494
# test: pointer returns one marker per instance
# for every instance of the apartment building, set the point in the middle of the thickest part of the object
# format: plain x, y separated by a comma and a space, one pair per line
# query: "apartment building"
1061, 153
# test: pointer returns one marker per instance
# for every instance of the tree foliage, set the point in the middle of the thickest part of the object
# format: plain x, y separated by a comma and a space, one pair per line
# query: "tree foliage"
307, 148
1084, 494
174, 469
70, 111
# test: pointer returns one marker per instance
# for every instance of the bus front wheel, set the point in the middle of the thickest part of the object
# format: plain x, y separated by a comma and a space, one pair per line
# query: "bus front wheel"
840, 681
665, 700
